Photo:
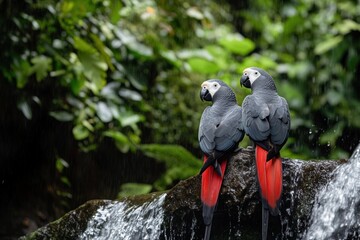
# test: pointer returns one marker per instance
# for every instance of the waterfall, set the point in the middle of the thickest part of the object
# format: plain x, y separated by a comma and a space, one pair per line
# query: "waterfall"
336, 212
321, 201
289, 225
126, 221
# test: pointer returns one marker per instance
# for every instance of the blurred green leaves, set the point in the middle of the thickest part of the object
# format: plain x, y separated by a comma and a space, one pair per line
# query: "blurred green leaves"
312, 44
328, 44
62, 116
203, 66
180, 163
25, 108
41, 66
235, 43
93, 66
130, 71
80, 132
130, 189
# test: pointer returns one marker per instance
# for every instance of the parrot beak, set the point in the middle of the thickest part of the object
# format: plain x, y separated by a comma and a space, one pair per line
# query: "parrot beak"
205, 95
245, 81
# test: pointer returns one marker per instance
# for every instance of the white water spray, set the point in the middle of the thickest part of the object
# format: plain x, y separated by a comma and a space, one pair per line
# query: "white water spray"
126, 221
336, 212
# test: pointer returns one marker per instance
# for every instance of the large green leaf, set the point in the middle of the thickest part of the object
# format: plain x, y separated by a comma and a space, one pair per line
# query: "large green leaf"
41, 66
62, 116
195, 53
131, 189
180, 163
237, 44
170, 154
204, 66
194, 13
94, 66
105, 52
171, 57
256, 60
221, 56
80, 132
129, 119
130, 94
21, 70
334, 97
328, 44
104, 112
25, 108
347, 26
115, 10
121, 140
138, 48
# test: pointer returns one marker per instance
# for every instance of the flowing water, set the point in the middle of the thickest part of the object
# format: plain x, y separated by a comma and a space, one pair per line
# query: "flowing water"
125, 221
289, 225
336, 212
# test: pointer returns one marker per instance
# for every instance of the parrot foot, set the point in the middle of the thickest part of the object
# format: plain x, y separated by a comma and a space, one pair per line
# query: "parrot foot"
273, 152
239, 149
251, 148
211, 161
217, 168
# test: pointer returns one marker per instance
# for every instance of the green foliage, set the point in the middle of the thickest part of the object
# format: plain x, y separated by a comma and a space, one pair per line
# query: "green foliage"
130, 71
74, 55
179, 162
314, 45
237, 44
130, 189
63, 185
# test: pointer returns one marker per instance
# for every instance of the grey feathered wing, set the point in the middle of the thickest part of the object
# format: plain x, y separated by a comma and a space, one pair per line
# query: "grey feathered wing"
230, 130
280, 123
269, 128
220, 135
255, 119
206, 135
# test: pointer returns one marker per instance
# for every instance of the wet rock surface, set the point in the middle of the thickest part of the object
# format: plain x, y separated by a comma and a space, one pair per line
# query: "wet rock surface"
71, 225
238, 214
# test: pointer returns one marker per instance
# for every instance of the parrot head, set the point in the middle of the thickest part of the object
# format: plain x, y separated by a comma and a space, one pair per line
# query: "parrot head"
252, 74
209, 88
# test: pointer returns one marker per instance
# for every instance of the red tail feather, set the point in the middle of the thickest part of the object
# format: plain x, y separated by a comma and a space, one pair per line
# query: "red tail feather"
211, 184
270, 178
210, 189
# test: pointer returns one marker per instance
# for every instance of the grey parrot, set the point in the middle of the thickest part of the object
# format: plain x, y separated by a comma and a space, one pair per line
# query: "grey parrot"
266, 121
220, 132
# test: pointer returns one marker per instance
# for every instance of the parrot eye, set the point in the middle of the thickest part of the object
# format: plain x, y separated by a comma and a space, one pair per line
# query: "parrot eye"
256, 73
245, 73
215, 85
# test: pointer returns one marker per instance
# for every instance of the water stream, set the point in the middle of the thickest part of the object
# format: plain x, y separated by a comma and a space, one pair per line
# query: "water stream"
125, 221
336, 212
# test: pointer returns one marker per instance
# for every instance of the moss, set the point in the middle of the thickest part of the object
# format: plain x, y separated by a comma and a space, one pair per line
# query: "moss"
70, 226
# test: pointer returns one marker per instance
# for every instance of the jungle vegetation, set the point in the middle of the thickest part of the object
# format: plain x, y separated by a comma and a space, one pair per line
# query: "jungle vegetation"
108, 91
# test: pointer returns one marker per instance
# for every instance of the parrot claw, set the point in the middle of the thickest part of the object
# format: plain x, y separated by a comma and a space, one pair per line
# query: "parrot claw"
251, 148
217, 168
273, 152
239, 149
